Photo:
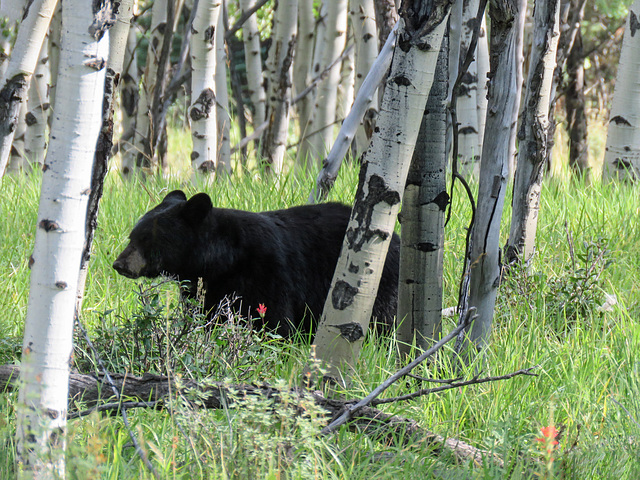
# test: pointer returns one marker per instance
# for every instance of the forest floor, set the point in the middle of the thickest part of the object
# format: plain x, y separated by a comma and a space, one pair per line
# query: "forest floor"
574, 314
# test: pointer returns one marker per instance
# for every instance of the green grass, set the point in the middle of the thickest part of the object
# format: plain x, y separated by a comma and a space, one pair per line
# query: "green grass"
588, 359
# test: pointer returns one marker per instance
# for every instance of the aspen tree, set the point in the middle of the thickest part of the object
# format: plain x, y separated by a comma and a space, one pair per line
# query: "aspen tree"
60, 236
202, 111
622, 152
14, 85
347, 311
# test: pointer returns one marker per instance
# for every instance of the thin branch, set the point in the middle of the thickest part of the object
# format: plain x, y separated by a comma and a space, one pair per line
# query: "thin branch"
114, 406
352, 410
455, 384
257, 132
243, 18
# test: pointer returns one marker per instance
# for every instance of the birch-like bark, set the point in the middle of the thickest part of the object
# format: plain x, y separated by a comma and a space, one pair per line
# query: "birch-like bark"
321, 138
346, 87
622, 152
202, 111
55, 32
422, 222
331, 165
280, 77
143, 136
253, 61
15, 82
302, 61
382, 180
55, 263
222, 101
17, 160
363, 20
507, 24
304, 158
129, 103
533, 135
36, 118
482, 59
118, 40
467, 103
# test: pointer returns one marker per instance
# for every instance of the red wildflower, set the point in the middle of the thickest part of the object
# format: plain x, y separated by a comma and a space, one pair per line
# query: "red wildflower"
548, 435
261, 310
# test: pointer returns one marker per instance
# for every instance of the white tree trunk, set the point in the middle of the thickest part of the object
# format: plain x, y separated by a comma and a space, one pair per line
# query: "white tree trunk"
363, 20
17, 160
346, 88
422, 222
303, 59
222, 101
533, 138
35, 140
129, 102
55, 31
382, 181
202, 111
280, 77
507, 20
482, 59
466, 105
324, 116
622, 152
60, 236
253, 60
143, 136
15, 82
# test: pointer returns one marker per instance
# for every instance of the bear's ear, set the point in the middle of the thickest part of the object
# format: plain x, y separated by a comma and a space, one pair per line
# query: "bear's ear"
176, 195
197, 208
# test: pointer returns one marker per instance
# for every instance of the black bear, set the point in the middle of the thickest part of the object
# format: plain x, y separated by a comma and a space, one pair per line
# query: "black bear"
283, 259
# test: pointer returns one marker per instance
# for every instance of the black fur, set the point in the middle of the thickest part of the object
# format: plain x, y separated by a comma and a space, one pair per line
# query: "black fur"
284, 259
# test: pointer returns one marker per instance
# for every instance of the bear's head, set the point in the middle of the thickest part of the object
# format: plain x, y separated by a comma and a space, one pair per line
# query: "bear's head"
165, 238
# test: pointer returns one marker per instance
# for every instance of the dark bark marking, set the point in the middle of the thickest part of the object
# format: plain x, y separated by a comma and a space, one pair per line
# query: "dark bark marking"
402, 80
210, 34
30, 119
622, 164
467, 130
426, 247
441, 200
194, 155
52, 414
31, 261
378, 191
634, 24
202, 107
619, 120
95, 63
207, 166
342, 295
103, 18
61, 285
48, 225
27, 7
353, 268
351, 332
366, 37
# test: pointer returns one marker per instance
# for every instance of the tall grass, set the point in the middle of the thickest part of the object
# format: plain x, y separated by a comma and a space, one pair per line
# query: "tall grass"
589, 375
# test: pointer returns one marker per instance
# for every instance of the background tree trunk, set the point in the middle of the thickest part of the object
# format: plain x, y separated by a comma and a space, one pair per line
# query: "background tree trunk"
302, 64
279, 95
507, 24
622, 152
15, 82
60, 236
143, 136
382, 180
202, 111
335, 38
576, 111
534, 130
129, 103
363, 20
35, 140
253, 60
222, 99
422, 221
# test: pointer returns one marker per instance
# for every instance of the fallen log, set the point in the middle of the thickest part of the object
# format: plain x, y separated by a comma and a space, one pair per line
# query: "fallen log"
151, 391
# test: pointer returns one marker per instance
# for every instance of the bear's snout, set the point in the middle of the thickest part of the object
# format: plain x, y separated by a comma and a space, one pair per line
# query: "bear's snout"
129, 263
